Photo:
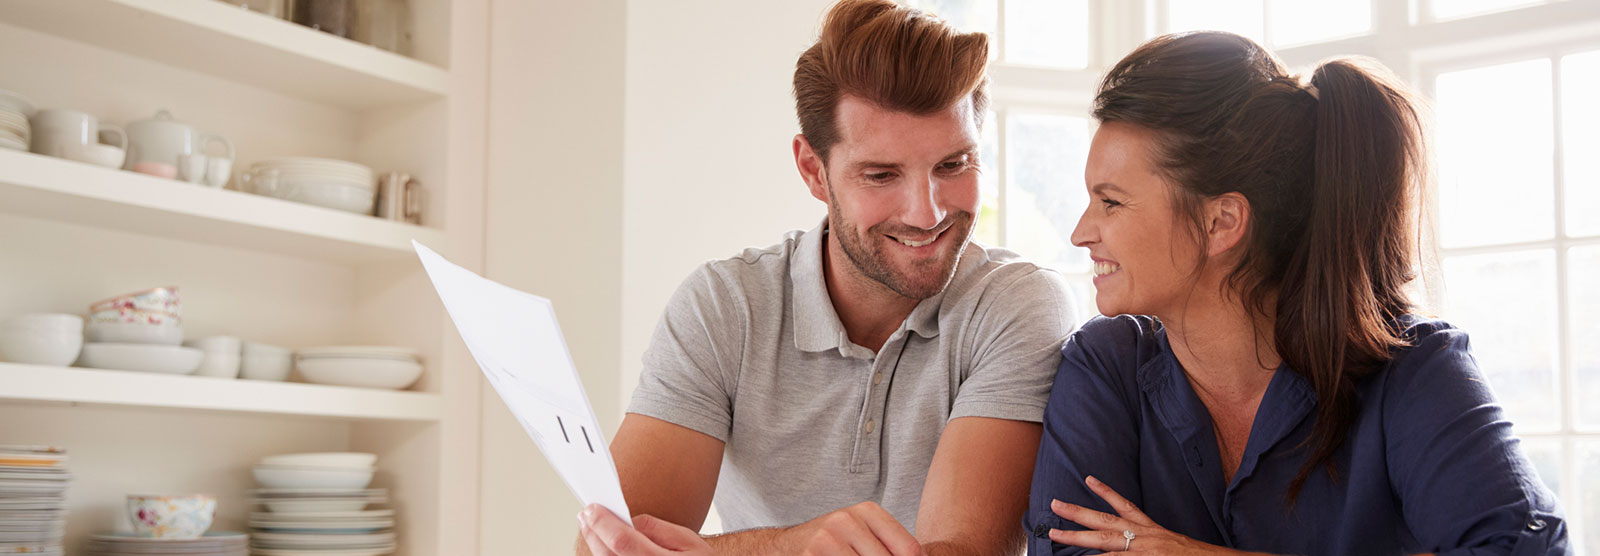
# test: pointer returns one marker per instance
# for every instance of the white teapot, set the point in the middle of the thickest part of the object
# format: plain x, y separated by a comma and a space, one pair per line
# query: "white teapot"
163, 140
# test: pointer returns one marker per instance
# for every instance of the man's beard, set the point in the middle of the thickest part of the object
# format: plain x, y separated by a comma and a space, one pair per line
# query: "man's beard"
926, 278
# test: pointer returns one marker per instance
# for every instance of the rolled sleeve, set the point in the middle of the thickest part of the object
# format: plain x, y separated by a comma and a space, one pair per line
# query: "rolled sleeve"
1019, 337
1464, 484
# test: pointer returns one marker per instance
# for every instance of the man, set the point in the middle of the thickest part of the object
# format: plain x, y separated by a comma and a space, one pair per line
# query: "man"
874, 385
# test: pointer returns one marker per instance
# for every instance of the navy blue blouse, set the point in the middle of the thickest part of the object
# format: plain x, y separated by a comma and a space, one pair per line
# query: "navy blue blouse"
1430, 464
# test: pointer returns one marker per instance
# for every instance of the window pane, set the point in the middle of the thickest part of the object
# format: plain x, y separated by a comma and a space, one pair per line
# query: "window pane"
1495, 154
1244, 17
987, 229
968, 15
1580, 139
1545, 453
1586, 509
1516, 353
1583, 310
1051, 33
1044, 190
1449, 9
1300, 22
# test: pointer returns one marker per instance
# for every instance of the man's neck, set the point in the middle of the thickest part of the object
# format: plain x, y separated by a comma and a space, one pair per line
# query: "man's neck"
869, 310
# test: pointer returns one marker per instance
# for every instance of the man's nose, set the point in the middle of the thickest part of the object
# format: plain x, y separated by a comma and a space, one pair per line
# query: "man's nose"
922, 206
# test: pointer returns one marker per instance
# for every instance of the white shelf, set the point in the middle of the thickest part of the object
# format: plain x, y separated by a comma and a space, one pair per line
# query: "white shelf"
232, 43
39, 186
124, 388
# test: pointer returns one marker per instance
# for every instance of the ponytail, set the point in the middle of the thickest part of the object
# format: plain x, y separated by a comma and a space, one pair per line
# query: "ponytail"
1343, 287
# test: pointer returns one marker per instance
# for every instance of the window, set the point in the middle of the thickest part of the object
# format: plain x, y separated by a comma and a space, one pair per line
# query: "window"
1516, 141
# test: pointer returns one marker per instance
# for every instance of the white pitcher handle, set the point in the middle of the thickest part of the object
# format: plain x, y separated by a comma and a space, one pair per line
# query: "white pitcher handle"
210, 137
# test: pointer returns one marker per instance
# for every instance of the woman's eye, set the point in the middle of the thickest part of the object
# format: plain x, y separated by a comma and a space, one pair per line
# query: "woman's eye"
1110, 204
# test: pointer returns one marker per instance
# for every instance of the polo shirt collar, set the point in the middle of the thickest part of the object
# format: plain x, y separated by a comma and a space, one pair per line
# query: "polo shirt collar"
817, 326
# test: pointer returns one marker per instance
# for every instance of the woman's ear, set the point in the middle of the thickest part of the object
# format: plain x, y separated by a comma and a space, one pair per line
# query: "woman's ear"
1227, 220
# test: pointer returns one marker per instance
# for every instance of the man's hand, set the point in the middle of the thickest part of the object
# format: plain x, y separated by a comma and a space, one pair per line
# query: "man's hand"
865, 529
606, 535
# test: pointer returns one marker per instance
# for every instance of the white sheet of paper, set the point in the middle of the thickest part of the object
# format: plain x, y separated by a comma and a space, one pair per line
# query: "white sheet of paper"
517, 342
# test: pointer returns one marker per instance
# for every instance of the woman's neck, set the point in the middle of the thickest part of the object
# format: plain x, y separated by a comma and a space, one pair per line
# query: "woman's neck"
1227, 352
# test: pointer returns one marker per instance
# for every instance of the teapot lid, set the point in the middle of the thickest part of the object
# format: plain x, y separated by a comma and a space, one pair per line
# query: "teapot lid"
161, 116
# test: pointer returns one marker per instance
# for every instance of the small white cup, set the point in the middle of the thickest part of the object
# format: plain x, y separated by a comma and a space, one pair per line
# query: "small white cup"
192, 167
222, 356
218, 170
265, 362
57, 129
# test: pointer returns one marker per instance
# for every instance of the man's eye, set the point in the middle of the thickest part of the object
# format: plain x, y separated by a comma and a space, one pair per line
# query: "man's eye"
954, 166
881, 176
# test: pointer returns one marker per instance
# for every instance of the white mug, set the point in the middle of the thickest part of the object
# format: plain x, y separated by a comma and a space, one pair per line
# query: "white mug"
56, 131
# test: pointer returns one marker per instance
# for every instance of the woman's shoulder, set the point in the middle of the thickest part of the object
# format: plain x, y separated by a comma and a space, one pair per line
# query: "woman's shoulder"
1436, 359
1115, 345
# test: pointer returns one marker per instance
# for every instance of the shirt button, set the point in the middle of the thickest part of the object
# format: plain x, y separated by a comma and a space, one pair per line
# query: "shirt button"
869, 426
877, 378
1194, 458
1536, 525
1041, 531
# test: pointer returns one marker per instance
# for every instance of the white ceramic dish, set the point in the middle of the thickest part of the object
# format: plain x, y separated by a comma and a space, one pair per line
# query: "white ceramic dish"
387, 374
335, 196
316, 162
286, 540
13, 143
351, 525
43, 339
149, 358
314, 505
15, 102
328, 516
170, 333
265, 362
323, 459
379, 551
383, 352
283, 476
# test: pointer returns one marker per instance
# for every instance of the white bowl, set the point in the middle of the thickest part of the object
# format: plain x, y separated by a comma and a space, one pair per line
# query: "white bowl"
307, 505
388, 374
285, 476
170, 333
148, 358
54, 340
368, 352
331, 195
323, 459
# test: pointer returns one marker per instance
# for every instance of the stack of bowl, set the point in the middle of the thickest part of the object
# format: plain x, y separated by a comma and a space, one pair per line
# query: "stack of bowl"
323, 182
15, 132
139, 331
33, 503
316, 505
391, 368
42, 339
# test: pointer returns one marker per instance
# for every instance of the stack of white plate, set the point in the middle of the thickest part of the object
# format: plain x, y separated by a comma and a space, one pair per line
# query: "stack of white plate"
213, 543
317, 506
33, 503
391, 368
323, 182
14, 129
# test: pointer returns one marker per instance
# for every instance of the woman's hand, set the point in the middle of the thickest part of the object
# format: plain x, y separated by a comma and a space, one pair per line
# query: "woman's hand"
1109, 532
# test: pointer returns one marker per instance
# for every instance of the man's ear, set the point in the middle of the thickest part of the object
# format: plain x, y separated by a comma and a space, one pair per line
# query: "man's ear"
811, 168
1227, 221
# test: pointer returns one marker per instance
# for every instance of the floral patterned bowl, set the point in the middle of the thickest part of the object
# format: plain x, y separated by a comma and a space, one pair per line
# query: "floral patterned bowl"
172, 517
156, 300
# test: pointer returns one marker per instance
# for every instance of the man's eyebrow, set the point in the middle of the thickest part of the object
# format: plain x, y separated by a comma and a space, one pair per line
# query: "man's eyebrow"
1105, 186
862, 165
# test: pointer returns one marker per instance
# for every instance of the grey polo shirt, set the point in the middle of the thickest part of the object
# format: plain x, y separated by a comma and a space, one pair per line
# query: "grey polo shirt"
751, 352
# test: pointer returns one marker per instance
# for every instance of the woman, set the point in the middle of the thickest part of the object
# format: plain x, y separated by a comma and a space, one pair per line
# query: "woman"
1280, 396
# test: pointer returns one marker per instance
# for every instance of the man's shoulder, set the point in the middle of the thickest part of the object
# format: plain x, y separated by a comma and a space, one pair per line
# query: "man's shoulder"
1001, 275
754, 273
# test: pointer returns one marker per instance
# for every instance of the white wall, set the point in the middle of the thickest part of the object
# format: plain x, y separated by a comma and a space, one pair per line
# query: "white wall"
553, 227
708, 169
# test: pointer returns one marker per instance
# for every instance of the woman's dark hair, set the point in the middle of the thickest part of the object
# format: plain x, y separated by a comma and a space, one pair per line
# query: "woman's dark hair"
1331, 171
